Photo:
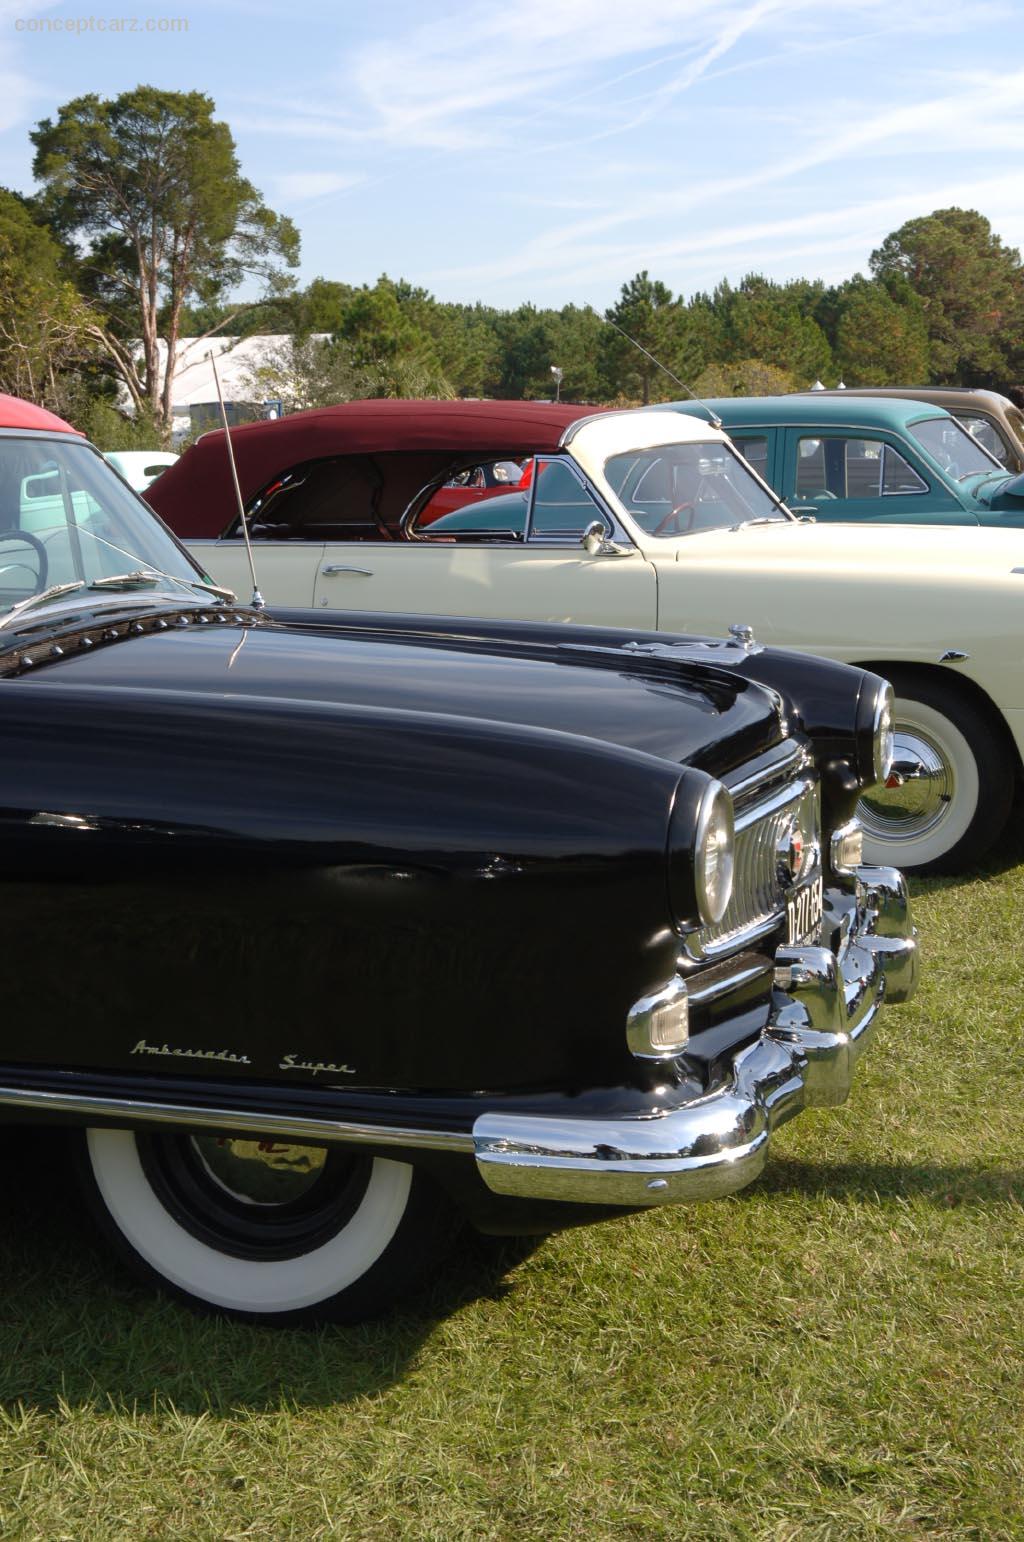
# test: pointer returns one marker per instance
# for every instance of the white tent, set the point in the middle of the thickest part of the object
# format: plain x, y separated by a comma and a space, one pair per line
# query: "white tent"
193, 389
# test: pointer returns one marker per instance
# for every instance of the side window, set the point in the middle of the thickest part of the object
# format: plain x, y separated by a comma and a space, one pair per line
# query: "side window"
897, 476
989, 437
502, 518
325, 500
562, 506
835, 467
754, 450
472, 486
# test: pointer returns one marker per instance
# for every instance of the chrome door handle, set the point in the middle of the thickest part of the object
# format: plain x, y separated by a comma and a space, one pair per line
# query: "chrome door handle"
342, 567
803, 508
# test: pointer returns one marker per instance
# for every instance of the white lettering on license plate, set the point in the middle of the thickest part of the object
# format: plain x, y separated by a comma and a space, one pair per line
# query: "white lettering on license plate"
803, 912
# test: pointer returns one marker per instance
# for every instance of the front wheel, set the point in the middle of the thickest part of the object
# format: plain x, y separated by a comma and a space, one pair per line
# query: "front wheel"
263, 1229
951, 787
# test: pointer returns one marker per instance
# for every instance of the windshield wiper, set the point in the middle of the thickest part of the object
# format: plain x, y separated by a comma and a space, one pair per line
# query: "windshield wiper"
138, 579
148, 578
218, 589
762, 519
54, 592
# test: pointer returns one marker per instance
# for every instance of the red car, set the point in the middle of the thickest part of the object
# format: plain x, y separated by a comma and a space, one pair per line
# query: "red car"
471, 486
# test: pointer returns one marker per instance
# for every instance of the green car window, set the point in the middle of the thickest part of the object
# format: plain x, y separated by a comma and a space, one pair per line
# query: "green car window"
837, 466
948, 442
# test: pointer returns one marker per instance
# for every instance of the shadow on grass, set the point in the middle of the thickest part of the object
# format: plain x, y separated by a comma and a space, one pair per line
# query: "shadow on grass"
76, 1331
943, 1186
1007, 854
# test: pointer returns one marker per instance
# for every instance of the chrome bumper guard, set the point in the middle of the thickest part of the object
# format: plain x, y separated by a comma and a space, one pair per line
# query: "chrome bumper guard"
823, 1012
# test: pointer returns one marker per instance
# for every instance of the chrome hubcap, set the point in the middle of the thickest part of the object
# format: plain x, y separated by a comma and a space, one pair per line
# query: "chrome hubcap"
260, 1172
919, 793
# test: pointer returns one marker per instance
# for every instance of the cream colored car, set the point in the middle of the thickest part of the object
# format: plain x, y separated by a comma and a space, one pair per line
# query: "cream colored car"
652, 521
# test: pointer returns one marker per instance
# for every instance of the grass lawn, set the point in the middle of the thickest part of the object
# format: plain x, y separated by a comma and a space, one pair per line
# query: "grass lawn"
836, 1353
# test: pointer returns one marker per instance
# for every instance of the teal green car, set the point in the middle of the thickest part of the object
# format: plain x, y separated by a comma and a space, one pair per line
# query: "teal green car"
876, 458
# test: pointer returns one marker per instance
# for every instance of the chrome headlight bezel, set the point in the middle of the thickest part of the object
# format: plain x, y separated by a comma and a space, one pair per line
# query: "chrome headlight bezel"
714, 853
875, 733
883, 746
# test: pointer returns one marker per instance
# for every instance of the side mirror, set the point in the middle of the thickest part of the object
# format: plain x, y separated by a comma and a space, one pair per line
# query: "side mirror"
593, 538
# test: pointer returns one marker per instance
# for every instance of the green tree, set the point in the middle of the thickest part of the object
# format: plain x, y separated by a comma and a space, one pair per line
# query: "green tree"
466, 341
320, 307
575, 337
774, 323
744, 377
971, 290
379, 326
524, 355
48, 335
648, 314
304, 372
150, 182
878, 339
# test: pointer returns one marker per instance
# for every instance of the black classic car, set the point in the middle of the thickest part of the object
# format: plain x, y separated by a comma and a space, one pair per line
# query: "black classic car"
371, 924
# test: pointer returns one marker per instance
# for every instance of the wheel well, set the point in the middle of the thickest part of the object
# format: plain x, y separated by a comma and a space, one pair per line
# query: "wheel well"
959, 685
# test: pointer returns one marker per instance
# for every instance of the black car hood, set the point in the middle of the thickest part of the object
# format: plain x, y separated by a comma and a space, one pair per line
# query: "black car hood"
677, 711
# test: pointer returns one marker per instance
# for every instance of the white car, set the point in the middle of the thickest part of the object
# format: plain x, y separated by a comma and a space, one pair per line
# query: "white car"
646, 520
140, 468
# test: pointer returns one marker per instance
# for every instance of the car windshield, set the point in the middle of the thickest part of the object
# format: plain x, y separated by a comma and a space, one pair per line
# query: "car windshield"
67, 521
680, 489
957, 452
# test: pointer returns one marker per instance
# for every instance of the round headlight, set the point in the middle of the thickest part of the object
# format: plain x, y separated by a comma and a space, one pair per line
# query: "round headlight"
713, 854
883, 747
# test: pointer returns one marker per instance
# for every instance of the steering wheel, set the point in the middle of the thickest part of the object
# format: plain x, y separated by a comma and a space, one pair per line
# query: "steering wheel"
672, 517
823, 497
27, 539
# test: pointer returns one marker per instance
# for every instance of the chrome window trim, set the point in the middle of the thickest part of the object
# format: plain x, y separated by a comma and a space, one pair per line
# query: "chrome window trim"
909, 492
616, 532
409, 535
886, 446
569, 434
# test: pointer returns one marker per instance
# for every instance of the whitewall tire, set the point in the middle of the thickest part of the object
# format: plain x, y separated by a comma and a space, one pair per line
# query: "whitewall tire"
951, 792
264, 1230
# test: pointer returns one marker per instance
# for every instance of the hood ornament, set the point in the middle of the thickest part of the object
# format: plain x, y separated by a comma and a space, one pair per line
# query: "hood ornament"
743, 634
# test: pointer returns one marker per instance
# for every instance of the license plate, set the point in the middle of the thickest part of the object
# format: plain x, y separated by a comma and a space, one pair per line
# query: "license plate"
803, 912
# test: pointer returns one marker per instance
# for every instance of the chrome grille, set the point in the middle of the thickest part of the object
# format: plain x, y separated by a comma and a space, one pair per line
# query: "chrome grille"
764, 809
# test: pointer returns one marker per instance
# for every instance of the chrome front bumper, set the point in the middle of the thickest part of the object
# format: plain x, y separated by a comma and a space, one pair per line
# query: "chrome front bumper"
824, 1008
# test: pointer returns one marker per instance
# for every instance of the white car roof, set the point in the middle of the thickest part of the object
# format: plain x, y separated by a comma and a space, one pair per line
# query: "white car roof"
595, 439
136, 460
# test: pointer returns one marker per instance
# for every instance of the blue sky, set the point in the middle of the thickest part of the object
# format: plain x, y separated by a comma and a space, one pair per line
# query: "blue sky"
546, 150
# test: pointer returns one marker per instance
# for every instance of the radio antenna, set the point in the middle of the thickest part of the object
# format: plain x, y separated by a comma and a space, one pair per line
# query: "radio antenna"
716, 421
257, 601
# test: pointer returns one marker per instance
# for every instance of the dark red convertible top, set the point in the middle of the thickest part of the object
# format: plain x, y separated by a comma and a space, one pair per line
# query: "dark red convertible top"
15, 413
196, 498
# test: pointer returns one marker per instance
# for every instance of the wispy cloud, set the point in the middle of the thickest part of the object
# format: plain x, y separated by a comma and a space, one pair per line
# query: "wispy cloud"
431, 87
963, 111
835, 236
298, 186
